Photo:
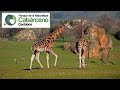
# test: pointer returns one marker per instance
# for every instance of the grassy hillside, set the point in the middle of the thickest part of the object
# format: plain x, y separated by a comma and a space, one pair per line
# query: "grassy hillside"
67, 66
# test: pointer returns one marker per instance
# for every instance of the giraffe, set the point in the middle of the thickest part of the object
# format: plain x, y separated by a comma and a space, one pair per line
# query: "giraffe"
81, 46
46, 44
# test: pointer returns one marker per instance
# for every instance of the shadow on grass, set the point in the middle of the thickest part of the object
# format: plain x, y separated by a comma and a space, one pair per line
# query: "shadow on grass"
93, 62
112, 63
32, 68
68, 68
103, 63
60, 46
75, 68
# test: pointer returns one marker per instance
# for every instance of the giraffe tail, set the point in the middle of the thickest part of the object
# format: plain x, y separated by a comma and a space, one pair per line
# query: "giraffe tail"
33, 51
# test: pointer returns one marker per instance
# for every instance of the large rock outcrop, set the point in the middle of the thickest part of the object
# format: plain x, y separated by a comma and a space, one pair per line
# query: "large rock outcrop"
26, 35
99, 43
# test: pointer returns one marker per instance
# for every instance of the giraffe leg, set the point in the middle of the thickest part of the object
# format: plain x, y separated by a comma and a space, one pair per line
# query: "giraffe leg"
80, 58
83, 61
32, 58
108, 55
79, 61
37, 58
83, 57
47, 57
56, 56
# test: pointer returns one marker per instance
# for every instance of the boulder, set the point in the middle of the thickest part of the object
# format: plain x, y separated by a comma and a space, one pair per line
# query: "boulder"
66, 46
26, 35
98, 44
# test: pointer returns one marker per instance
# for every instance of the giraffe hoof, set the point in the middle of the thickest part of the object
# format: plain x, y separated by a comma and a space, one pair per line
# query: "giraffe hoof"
83, 66
42, 68
79, 68
54, 66
30, 69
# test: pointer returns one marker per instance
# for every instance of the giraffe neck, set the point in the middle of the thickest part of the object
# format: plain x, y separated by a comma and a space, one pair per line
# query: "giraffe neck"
81, 39
82, 27
82, 35
57, 32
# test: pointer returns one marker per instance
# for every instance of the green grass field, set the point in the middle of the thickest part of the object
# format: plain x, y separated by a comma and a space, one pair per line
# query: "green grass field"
67, 66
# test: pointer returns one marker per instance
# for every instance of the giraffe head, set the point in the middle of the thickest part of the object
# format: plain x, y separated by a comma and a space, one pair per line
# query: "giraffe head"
82, 21
68, 25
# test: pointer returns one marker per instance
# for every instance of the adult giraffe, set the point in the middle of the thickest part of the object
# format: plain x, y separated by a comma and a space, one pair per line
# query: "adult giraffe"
46, 44
82, 46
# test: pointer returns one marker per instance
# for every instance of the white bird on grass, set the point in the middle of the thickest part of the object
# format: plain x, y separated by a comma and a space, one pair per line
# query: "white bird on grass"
16, 61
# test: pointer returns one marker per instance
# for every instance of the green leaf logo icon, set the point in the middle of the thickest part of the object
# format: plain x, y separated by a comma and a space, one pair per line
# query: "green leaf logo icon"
10, 20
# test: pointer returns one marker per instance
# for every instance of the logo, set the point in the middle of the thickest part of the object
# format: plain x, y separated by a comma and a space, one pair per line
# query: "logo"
25, 20
10, 20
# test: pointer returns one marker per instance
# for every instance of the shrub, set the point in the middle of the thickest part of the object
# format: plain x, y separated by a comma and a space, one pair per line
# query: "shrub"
117, 35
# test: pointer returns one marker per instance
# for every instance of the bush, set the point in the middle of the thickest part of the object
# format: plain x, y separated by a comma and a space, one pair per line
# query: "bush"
117, 35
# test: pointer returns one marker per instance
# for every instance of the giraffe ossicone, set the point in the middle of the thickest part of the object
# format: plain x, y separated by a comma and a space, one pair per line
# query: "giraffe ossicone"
68, 25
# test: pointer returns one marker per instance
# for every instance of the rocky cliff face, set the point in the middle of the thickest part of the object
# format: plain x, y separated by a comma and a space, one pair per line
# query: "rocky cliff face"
26, 35
98, 42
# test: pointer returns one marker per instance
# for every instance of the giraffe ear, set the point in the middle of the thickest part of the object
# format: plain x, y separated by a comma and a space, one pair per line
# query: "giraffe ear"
66, 23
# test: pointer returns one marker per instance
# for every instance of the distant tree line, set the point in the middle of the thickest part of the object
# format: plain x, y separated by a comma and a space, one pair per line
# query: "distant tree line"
109, 23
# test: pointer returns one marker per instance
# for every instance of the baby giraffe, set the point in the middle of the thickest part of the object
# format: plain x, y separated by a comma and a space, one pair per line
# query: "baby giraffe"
46, 44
